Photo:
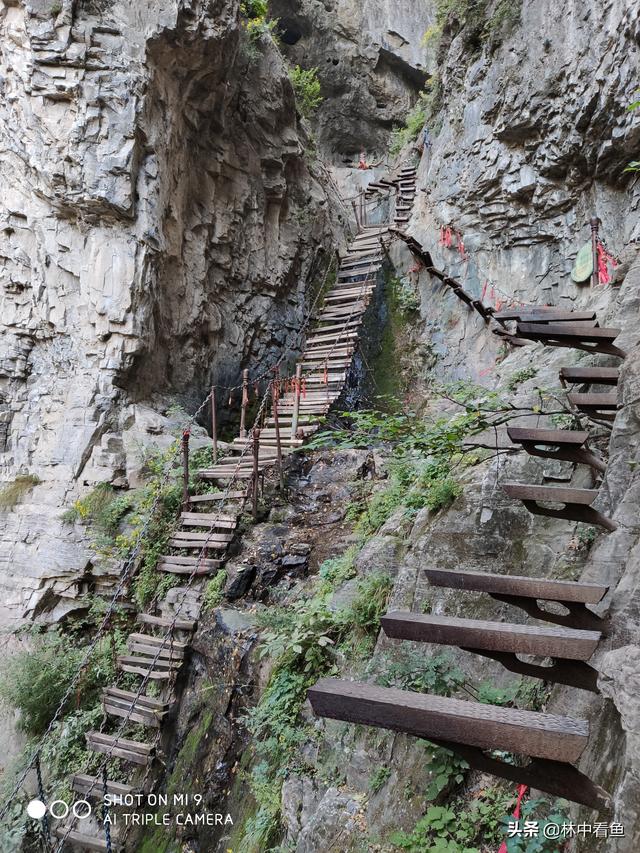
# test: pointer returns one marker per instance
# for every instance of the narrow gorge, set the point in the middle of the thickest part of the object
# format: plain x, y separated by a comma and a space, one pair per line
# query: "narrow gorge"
290, 292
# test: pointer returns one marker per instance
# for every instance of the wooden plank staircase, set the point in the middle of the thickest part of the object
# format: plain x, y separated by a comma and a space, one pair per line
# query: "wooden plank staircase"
328, 352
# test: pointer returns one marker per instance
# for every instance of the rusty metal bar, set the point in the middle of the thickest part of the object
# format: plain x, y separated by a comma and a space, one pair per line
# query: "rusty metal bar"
256, 473
214, 424
276, 423
185, 468
595, 222
245, 403
296, 401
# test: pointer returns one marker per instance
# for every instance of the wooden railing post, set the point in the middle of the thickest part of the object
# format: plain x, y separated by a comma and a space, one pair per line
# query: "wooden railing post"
245, 403
256, 472
214, 423
296, 401
185, 469
595, 222
275, 394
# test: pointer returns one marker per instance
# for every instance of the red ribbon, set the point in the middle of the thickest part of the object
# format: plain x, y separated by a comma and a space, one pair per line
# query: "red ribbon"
603, 259
522, 790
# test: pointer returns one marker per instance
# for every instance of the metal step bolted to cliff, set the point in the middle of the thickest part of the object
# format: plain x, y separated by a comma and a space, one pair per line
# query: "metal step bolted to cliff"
551, 743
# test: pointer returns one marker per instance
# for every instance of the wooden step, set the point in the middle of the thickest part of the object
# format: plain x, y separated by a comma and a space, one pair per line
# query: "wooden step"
190, 562
150, 702
210, 538
578, 335
496, 636
168, 656
81, 839
576, 503
531, 733
164, 622
561, 444
94, 786
217, 496
564, 592
159, 642
221, 474
138, 711
202, 519
148, 667
544, 315
119, 747
206, 567
603, 406
593, 375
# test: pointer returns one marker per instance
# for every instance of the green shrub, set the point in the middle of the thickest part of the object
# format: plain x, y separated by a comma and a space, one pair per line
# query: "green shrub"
458, 829
521, 376
35, 681
378, 778
103, 509
420, 673
12, 493
546, 814
409, 132
306, 86
370, 603
213, 592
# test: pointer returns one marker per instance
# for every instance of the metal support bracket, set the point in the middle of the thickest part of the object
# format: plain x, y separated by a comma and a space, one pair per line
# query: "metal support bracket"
579, 615
562, 671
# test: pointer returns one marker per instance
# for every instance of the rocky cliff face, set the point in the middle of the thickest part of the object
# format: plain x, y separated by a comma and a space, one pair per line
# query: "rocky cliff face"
161, 224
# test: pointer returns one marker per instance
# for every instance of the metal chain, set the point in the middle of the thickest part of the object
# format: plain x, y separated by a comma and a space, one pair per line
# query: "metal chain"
105, 812
171, 628
46, 831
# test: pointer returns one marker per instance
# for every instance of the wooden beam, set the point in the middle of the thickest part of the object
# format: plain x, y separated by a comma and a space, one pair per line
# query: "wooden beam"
542, 641
519, 585
539, 735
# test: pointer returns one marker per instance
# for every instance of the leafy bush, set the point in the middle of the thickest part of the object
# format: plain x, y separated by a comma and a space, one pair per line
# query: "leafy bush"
546, 814
409, 132
103, 509
34, 681
213, 592
458, 830
521, 376
370, 603
420, 673
12, 493
306, 85
378, 778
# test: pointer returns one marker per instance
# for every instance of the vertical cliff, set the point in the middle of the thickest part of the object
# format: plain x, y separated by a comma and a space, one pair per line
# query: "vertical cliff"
162, 223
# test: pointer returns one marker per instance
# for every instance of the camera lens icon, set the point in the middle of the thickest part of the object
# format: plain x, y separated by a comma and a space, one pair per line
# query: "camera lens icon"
36, 809
58, 809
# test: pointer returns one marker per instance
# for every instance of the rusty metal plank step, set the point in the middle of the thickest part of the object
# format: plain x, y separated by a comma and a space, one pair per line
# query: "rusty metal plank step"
576, 503
595, 375
548, 436
594, 402
529, 314
539, 735
495, 636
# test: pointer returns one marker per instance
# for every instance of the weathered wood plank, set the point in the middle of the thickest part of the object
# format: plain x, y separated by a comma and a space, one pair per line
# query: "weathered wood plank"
553, 494
164, 622
518, 585
495, 636
83, 783
548, 436
606, 402
596, 375
89, 842
539, 735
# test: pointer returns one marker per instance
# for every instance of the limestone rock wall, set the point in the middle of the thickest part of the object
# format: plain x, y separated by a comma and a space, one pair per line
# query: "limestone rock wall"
160, 225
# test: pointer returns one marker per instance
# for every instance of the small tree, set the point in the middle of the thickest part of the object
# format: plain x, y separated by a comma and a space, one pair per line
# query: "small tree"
307, 88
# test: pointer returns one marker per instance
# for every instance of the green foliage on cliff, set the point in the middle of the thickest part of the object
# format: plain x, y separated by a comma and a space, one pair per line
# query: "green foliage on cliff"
34, 681
306, 85
457, 829
476, 21
12, 493
305, 641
